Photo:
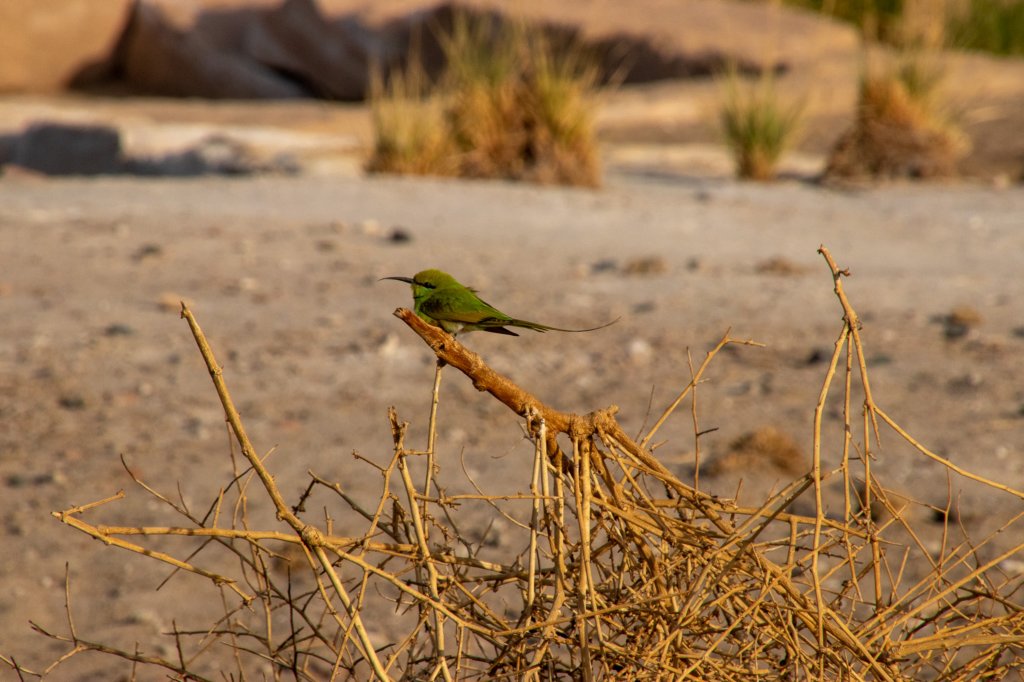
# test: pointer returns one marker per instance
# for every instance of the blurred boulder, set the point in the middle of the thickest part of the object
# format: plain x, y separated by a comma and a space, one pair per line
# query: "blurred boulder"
329, 58
157, 57
44, 43
68, 149
216, 154
60, 148
279, 49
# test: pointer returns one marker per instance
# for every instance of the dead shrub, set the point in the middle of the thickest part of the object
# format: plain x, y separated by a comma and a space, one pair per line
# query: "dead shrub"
900, 130
512, 106
610, 567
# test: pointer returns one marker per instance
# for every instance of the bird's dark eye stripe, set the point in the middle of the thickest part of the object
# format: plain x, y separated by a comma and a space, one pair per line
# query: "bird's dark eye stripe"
427, 285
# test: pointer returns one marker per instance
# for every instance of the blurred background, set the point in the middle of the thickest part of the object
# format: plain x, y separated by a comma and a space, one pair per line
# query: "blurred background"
281, 86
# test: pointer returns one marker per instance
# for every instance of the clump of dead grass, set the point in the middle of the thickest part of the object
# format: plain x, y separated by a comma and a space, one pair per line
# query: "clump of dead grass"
901, 129
757, 125
610, 566
410, 136
511, 105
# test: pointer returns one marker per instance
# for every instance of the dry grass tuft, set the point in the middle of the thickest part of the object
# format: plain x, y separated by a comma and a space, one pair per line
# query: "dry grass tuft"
511, 105
410, 136
900, 130
609, 566
757, 126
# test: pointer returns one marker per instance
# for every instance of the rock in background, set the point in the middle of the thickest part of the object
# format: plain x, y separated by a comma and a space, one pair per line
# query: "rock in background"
44, 44
270, 49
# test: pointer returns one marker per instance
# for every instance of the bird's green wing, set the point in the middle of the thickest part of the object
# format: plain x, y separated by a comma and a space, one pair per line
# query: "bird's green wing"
463, 307
459, 308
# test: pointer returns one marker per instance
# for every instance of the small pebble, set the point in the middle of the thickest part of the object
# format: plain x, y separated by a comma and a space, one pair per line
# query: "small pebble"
960, 321
71, 401
118, 329
147, 251
400, 235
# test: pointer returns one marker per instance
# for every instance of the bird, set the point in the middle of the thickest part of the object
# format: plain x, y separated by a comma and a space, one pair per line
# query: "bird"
442, 301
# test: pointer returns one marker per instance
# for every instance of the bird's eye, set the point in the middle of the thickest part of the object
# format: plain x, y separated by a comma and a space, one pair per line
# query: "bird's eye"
425, 285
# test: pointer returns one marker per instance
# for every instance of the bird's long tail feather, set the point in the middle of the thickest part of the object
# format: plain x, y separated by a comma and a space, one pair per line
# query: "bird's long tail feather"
536, 326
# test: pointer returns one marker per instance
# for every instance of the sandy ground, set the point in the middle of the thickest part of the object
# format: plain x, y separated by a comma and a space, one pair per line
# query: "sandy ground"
282, 273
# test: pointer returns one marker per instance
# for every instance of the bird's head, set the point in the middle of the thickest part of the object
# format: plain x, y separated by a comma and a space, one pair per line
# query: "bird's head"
426, 281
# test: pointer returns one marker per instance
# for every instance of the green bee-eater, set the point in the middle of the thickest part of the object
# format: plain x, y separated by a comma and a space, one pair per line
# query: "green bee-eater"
439, 299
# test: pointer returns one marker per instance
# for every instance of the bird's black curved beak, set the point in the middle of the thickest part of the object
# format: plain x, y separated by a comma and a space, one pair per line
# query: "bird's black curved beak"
407, 280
